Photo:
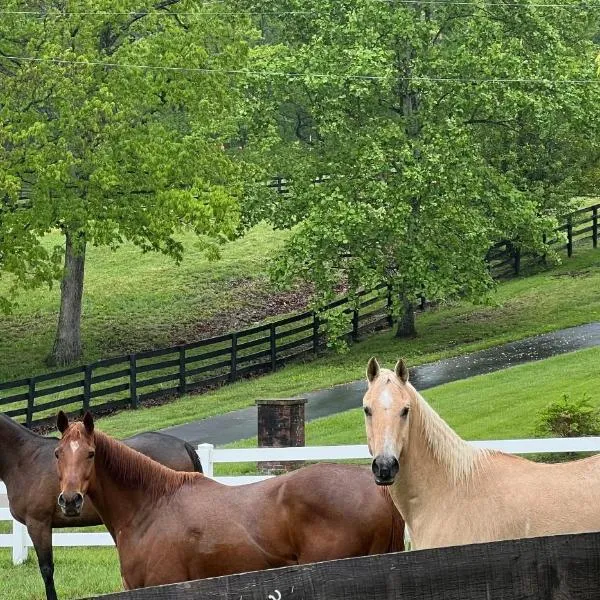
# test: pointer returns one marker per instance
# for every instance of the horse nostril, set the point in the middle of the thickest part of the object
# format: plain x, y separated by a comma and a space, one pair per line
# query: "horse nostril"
78, 499
61, 500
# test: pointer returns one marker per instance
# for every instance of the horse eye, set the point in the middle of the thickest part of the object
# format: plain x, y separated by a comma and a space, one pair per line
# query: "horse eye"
91, 454
367, 411
56, 453
404, 411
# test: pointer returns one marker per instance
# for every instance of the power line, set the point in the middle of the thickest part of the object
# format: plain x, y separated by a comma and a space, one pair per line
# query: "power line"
341, 76
167, 13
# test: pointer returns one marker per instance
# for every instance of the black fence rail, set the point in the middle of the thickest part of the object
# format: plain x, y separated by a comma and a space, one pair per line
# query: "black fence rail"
126, 381
541, 568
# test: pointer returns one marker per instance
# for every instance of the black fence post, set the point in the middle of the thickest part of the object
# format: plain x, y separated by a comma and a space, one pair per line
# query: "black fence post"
595, 226
570, 237
30, 402
182, 382
87, 387
390, 317
133, 380
355, 324
233, 374
273, 346
315, 336
517, 256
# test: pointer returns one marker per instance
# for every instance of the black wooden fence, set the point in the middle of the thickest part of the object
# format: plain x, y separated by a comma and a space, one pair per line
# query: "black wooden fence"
530, 569
125, 381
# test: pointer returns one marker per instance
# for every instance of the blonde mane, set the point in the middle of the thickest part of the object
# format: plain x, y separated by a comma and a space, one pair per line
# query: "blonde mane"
461, 459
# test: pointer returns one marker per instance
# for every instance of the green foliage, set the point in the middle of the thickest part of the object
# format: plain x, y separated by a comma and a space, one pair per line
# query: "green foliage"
427, 163
569, 418
109, 153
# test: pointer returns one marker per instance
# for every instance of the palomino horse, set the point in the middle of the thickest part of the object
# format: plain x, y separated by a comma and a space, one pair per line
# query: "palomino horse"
452, 493
27, 467
171, 526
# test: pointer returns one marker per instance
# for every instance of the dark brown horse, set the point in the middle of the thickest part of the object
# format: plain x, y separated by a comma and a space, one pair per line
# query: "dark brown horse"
29, 473
171, 526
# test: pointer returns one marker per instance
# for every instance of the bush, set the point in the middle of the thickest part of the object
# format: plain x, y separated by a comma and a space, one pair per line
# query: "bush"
567, 418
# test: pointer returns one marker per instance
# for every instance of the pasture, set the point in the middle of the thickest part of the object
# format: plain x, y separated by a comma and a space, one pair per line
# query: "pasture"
136, 300
560, 297
499, 405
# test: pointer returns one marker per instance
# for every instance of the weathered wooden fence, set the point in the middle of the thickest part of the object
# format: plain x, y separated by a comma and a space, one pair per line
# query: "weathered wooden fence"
125, 381
530, 569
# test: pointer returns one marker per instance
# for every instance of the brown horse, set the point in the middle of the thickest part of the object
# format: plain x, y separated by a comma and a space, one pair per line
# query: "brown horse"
171, 526
29, 473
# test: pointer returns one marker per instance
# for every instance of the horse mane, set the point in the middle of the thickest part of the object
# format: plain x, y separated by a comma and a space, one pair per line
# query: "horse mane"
133, 470
461, 459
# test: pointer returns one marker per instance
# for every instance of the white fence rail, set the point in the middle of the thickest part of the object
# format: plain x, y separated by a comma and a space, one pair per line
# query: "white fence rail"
20, 542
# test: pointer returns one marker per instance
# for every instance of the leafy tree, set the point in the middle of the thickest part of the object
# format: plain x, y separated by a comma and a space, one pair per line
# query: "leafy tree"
107, 153
441, 128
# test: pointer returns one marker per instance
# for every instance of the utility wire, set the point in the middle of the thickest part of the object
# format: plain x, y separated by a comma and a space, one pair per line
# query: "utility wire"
339, 76
167, 13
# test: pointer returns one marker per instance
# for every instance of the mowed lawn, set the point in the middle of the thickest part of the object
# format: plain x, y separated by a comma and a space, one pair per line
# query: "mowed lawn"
561, 297
135, 301
499, 405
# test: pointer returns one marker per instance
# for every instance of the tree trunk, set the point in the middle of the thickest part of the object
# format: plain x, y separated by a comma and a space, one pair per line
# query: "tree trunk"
406, 323
67, 344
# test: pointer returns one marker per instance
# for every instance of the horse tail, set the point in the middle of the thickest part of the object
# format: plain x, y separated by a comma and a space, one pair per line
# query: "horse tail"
398, 525
194, 457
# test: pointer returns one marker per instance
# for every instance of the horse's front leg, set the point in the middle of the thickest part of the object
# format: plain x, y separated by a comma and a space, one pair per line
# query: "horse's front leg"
41, 536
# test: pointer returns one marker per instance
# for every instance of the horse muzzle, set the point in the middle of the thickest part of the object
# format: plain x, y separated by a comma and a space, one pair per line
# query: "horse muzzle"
385, 469
70, 503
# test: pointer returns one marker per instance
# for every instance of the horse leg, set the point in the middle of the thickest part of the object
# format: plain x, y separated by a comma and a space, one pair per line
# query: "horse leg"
41, 536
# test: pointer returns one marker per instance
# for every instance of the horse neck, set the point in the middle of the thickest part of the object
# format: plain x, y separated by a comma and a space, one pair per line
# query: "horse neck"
16, 444
127, 483
435, 460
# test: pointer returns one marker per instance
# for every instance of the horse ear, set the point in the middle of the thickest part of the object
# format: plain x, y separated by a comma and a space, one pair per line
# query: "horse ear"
62, 421
401, 370
88, 422
372, 369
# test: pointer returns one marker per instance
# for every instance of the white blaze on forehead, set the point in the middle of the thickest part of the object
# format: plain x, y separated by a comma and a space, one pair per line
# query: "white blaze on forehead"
386, 399
74, 446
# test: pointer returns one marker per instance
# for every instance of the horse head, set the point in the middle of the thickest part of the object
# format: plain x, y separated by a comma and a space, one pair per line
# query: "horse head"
386, 405
75, 462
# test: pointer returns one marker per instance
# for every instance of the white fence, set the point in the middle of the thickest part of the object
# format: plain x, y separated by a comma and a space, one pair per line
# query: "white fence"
20, 542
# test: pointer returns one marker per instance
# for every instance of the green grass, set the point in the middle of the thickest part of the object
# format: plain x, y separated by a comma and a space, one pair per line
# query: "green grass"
79, 572
501, 405
561, 297
135, 301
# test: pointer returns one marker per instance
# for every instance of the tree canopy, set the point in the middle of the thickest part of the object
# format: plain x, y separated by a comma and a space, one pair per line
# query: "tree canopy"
440, 128
113, 124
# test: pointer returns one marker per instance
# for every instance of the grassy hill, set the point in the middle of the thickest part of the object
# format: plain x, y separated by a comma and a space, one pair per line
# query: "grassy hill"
135, 301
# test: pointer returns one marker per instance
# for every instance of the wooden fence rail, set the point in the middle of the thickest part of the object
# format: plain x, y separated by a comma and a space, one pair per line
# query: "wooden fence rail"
565, 566
126, 381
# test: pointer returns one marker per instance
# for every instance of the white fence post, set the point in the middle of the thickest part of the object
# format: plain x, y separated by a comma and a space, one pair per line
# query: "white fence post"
19, 544
205, 454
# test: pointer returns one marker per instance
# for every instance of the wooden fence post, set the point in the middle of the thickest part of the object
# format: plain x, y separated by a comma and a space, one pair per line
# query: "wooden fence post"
316, 325
355, 325
30, 402
182, 382
389, 305
205, 454
273, 346
595, 226
233, 373
133, 380
19, 543
87, 387
570, 237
